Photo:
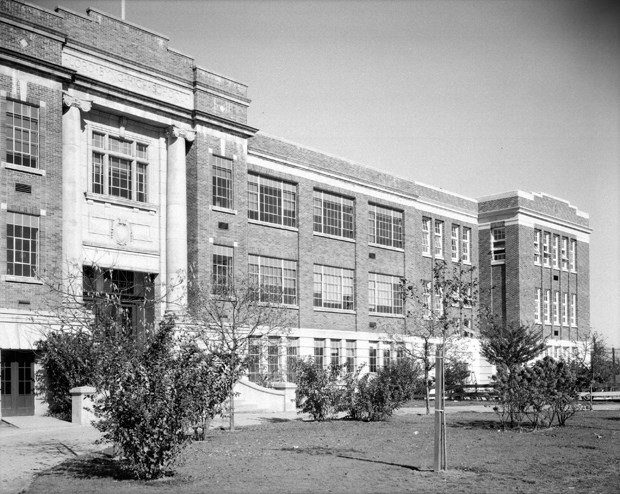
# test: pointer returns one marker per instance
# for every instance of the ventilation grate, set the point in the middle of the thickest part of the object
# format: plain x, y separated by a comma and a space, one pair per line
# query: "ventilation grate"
222, 226
27, 189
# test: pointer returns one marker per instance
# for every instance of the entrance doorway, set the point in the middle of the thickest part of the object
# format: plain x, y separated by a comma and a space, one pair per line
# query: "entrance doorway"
17, 383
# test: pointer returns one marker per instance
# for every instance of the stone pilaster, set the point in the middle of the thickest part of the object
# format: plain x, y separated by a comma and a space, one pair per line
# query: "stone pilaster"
73, 168
176, 219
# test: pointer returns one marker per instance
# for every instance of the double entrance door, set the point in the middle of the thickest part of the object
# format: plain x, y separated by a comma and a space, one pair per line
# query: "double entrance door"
17, 383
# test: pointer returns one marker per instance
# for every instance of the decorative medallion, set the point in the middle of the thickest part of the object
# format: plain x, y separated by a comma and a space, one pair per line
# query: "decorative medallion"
121, 232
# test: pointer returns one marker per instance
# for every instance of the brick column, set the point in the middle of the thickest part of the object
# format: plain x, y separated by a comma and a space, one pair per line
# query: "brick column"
176, 220
73, 166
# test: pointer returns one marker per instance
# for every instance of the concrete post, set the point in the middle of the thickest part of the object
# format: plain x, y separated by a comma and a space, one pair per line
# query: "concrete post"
81, 405
176, 220
73, 166
290, 395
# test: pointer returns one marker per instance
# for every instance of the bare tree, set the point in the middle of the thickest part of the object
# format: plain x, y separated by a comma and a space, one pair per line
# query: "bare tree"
436, 309
226, 316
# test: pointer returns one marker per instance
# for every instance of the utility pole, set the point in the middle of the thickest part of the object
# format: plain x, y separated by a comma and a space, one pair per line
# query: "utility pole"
440, 463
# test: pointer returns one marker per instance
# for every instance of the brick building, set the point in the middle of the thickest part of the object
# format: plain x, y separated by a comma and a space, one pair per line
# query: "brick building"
119, 152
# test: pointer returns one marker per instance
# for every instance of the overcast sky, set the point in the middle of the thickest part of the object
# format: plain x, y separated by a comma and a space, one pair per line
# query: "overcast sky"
477, 97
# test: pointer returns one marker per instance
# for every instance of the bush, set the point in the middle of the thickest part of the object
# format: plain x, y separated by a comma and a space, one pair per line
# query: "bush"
376, 397
319, 390
541, 394
155, 398
66, 362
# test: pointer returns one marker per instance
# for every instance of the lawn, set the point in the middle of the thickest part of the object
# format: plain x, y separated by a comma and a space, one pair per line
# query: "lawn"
392, 456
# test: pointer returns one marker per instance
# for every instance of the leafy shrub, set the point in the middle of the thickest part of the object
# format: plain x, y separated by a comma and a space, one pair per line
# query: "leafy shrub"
155, 398
539, 394
66, 362
320, 391
376, 397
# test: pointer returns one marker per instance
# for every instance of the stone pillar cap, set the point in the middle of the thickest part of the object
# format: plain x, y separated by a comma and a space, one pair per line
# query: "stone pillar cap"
82, 390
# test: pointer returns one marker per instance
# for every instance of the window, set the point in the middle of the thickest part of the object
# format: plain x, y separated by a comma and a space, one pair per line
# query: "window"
334, 352
387, 357
351, 355
573, 255
222, 182
22, 134
467, 330
565, 309
372, 356
292, 354
22, 244
438, 238
564, 253
385, 226
333, 214
319, 352
333, 287
537, 235
455, 241
547, 307
273, 356
466, 245
119, 167
498, 244
276, 278
556, 251
537, 306
222, 272
556, 308
438, 301
546, 247
573, 309
385, 294
426, 236
254, 357
272, 201
426, 299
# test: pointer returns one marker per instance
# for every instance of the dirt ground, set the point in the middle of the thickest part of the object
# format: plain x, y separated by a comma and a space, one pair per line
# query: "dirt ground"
394, 456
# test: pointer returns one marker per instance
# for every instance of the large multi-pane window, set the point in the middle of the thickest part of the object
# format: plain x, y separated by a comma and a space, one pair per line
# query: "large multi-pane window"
334, 349
564, 253
466, 245
565, 309
426, 236
22, 134
255, 353
547, 307
276, 278
119, 167
385, 226
556, 308
319, 352
498, 243
334, 214
351, 355
273, 356
573, 309
556, 252
272, 201
385, 294
292, 355
22, 242
573, 255
222, 268
455, 242
537, 306
333, 287
537, 238
438, 244
373, 350
222, 182
546, 249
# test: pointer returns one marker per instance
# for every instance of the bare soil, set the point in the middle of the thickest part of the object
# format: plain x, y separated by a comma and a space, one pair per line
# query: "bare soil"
393, 456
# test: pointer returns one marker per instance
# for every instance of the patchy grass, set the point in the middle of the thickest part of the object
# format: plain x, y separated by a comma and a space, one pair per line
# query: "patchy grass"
392, 456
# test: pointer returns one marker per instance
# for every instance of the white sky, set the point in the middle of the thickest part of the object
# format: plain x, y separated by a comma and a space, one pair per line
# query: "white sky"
477, 97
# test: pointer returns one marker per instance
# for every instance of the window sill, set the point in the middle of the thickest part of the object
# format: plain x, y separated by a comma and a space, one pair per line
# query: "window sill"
21, 279
498, 263
273, 225
335, 237
438, 258
25, 169
387, 247
383, 314
118, 201
222, 210
328, 309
